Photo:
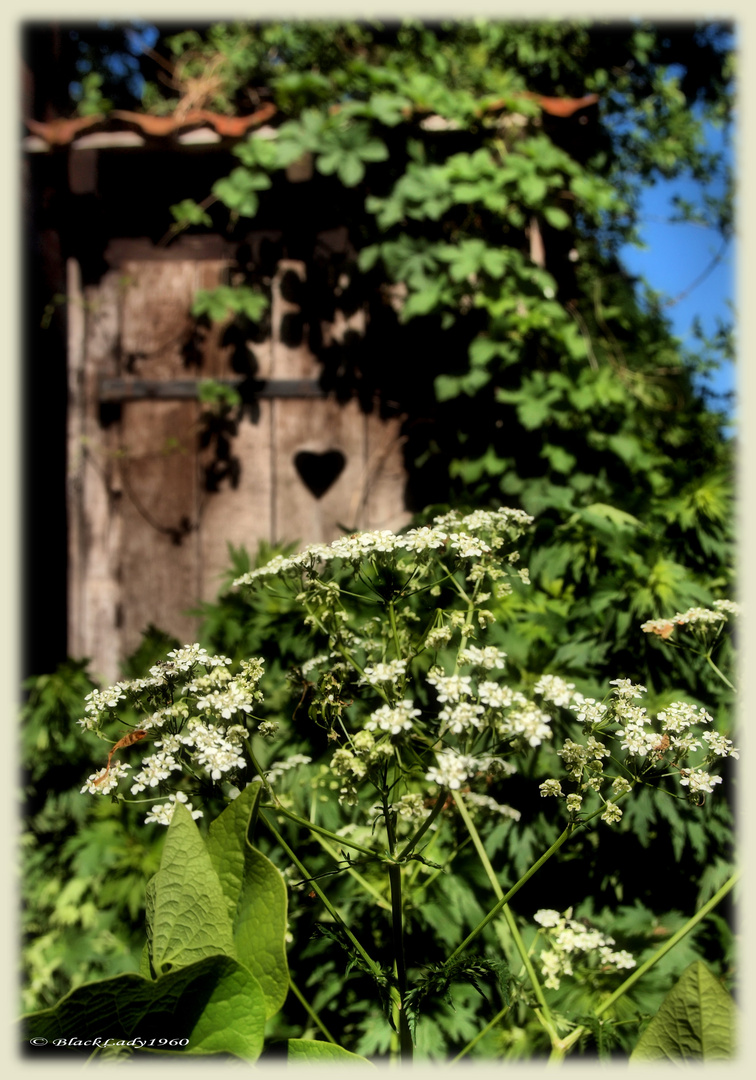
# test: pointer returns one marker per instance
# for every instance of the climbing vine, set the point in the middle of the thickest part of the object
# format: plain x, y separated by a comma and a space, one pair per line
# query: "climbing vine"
487, 174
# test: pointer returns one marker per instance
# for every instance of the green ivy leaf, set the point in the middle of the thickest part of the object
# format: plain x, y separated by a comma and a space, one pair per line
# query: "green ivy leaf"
225, 300
556, 217
533, 189
257, 152
188, 212
238, 191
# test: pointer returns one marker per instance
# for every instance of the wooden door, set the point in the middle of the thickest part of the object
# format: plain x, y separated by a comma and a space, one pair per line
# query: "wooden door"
147, 539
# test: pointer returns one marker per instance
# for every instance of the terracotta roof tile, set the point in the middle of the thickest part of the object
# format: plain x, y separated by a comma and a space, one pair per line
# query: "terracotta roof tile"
62, 132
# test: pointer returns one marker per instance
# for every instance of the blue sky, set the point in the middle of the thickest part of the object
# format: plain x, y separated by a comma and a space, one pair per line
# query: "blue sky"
676, 256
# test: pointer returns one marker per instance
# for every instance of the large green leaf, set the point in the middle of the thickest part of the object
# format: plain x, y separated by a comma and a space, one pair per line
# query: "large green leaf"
255, 896
187, 910
696, 1022
215, 1004
310, 1052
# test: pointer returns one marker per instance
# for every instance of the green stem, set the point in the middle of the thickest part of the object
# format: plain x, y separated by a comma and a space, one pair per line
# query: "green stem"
394, 629
511, 924
515, 889
363, 882
260, 773
719, 673
305, 823
572, 1038
374, 968
310, 1011
483, 1031
665, 948
413, 842
406, 1048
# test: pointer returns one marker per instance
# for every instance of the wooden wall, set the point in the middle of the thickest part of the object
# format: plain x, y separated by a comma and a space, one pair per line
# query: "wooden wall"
147, 539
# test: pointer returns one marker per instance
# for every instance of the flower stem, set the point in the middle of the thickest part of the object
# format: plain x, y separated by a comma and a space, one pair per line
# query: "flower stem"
322, 832
374, 968
515, 889
483, 1031
406, 1047
573, 1037
511, 924
719, 673
665, 948
310, 1011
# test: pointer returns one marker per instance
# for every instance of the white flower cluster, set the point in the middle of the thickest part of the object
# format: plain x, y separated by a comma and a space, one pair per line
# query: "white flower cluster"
694, 616
197, 695
452, 769
555, 689
217, 750
527, 722
393, 720
162, 815
96, 785
458, 535
668, 736
487, 803
275, 772
378, 674
486, 658
570, 943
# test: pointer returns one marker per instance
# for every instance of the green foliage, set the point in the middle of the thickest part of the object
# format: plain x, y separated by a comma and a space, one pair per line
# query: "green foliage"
225, 300
256, 897
549, 383
436, 983
696, 1022
213, 1006
206, 930
218, 396
558, 387
310, 1052
84, 867
92, 101
188, 212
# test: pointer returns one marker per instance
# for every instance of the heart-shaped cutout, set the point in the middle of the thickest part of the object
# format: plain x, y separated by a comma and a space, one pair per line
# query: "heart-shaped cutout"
319, 472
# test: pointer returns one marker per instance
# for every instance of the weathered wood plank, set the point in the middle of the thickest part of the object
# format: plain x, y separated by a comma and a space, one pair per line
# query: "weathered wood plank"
238, 515
95, 525
382, 504
160, 509
321, 429
156, 322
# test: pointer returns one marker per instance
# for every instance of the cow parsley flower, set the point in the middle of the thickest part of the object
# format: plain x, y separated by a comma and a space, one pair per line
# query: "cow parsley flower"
155, 769
452, 769
527, 722
555, 689
719, 745
110, 783
162, 815
449, 687
376, 674
461, 717
394, 720
696, 780
486, 658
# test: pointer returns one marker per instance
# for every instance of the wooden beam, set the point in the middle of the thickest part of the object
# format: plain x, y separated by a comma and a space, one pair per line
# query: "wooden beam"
120, 389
